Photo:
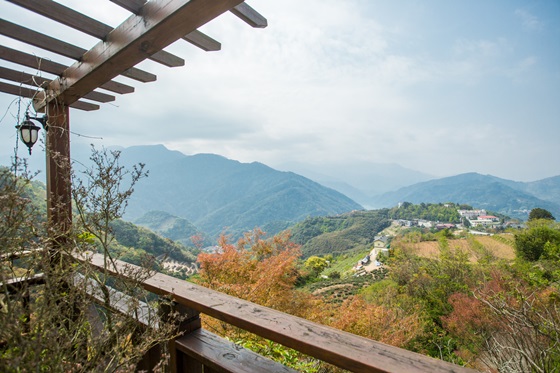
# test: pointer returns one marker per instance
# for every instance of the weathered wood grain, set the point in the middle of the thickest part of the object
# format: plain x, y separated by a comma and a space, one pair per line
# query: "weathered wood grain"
224, 356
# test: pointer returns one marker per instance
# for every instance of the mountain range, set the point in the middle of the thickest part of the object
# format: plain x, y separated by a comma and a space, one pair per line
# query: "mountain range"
207, 194
219, 195
511, 198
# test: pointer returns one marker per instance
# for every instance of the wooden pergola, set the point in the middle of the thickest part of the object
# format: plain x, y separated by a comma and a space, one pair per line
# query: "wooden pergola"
88, 82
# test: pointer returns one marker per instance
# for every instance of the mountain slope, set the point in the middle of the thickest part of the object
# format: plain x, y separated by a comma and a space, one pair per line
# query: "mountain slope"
482, 191
172, 227
217, 194
340, 234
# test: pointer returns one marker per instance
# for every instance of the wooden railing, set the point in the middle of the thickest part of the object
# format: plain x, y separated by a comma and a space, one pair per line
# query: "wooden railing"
198, 350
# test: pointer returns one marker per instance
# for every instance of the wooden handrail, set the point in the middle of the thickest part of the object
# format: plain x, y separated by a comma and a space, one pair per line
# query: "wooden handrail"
342, 349
19, 254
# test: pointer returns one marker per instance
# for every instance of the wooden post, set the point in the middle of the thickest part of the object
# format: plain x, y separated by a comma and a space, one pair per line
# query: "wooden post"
59, 190
180, 362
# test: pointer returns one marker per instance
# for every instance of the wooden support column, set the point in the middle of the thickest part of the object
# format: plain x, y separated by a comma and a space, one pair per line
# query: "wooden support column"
59, 190
188, 321
180, 362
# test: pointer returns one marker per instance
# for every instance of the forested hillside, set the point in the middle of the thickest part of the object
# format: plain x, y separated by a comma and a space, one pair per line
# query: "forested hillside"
340, 234
438, 212
131, 242
134, 242
355, 231
173, 227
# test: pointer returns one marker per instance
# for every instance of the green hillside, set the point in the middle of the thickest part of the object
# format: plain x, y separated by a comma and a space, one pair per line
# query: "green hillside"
340, 234
133, 242
172, 227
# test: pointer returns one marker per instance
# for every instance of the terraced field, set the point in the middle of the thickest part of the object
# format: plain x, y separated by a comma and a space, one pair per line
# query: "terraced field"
500, 246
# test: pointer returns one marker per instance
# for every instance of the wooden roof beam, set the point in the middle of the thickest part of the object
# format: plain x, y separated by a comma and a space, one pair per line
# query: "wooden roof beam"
196, 38
250, 15
60, 47
39, 81
31, 93
78, 21
203, 41
51, 67
162, 23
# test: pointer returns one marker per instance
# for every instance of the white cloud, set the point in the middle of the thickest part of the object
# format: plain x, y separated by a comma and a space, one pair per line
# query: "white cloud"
529, 21
330, 80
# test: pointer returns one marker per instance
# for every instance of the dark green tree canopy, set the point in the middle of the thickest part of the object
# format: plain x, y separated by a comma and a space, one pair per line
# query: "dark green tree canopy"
538, 213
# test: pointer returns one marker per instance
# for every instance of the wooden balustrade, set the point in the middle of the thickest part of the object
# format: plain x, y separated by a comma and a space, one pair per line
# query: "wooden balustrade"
198, 350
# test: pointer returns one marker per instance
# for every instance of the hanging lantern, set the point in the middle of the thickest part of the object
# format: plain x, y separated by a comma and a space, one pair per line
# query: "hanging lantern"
29, 132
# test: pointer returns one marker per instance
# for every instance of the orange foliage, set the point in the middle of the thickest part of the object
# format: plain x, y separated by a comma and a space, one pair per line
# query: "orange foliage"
258, 270
387, 325
469, 317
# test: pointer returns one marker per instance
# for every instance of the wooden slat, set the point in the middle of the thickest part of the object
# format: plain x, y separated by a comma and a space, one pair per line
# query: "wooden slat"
133, 6
78, 21
117, 87
22, 77
119, 301
19, 254
51, 67
32, 93
196, 38
31, 61
15, 284
250, 16
60, 47
203, 41
345, 350
85, 106
163, 22
225, 356
35, 81
17, 90
99, 97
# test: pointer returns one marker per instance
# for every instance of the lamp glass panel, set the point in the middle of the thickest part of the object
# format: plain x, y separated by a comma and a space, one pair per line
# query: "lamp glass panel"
26, 135
34, 135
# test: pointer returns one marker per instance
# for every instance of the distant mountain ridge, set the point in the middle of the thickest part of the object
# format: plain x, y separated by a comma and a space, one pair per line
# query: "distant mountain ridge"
508, 197
218, 195
359, 180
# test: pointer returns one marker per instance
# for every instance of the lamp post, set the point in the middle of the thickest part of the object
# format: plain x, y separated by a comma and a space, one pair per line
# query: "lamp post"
29, 132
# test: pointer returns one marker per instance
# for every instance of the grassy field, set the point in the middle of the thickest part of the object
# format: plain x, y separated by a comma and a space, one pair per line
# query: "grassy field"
345, 263
500, 248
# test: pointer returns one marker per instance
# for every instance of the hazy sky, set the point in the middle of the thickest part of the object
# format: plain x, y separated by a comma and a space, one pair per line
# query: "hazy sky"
443, 87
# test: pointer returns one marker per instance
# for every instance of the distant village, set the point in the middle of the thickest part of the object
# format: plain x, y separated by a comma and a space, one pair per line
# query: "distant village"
471, 218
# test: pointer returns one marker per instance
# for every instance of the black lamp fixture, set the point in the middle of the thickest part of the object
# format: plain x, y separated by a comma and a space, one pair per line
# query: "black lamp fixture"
29, 132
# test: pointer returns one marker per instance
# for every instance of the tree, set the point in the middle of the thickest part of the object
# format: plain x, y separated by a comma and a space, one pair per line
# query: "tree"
510, 326
378, 322
262, 271
541, 237
316, 264
55, 326
538, 213
256, 269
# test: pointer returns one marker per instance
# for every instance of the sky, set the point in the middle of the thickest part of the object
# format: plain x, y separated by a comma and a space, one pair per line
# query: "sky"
441, 87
